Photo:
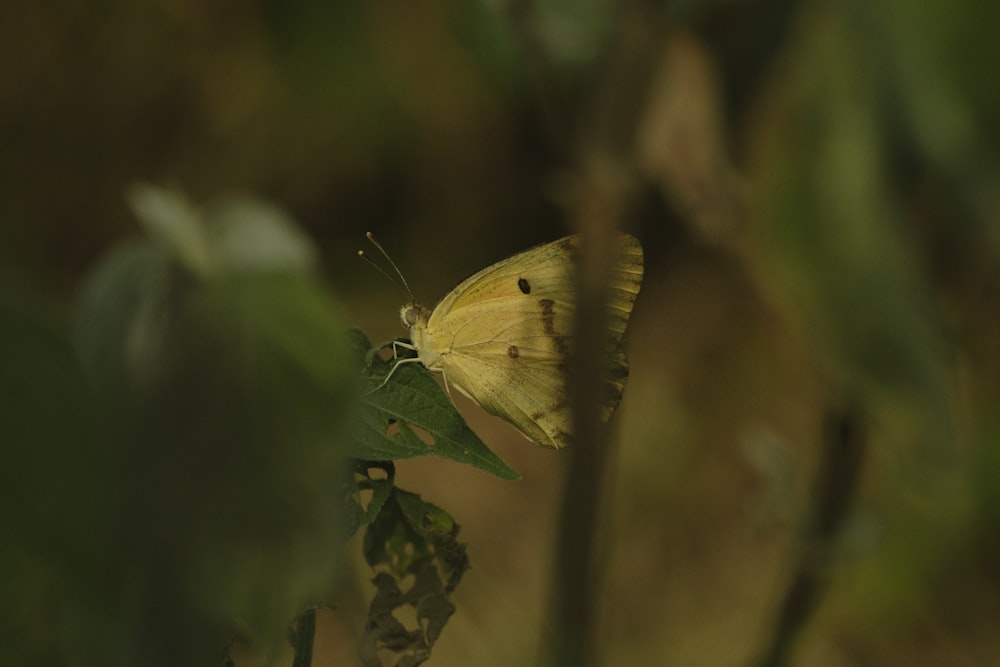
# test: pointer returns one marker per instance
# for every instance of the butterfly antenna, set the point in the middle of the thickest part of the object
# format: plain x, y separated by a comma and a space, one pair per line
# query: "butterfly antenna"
362, 255
399, 274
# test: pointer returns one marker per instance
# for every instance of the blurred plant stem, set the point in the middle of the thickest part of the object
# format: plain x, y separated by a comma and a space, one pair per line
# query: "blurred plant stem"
302, 640
602, 203
844, 446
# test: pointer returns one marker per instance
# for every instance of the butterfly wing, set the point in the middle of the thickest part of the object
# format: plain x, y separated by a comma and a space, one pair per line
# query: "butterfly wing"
504, 335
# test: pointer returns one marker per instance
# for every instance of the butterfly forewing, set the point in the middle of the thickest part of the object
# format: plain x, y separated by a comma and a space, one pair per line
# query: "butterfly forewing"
518, 275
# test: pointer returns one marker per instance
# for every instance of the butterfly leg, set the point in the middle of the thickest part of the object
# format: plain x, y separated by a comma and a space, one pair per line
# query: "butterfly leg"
392, 370
401, 344
447, 387
394, 344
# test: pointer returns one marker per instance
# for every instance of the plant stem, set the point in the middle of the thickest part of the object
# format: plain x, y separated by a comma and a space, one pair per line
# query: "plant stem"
305, 633
844, 445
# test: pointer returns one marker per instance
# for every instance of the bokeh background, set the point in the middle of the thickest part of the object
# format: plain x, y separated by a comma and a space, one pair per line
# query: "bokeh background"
817, 188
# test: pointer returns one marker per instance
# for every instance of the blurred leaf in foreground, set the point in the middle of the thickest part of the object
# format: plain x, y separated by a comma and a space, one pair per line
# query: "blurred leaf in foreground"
57, 528
184, 478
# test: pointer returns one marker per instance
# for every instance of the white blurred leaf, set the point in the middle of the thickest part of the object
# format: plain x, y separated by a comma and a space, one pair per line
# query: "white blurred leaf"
247, 234
169, 217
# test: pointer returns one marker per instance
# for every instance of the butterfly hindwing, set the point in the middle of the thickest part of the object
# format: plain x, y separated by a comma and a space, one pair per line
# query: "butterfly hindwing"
518, 374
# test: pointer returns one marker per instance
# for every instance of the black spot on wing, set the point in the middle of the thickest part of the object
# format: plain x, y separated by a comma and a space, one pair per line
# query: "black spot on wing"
513, 352
618, 372
563, 438
548, 316
569, 246
560, 344
615, 384
612, 396
524, 285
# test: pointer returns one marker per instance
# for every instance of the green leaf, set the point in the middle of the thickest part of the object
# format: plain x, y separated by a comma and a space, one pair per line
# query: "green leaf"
393, 407
418, 563
366, 512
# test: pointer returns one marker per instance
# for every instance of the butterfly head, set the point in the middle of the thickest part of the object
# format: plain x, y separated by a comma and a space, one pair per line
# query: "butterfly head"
414, 315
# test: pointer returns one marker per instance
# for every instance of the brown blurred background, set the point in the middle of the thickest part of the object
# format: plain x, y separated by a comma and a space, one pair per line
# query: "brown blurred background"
817, 188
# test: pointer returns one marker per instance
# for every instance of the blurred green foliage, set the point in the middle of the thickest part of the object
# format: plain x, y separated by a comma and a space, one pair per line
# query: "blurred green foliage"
182, 476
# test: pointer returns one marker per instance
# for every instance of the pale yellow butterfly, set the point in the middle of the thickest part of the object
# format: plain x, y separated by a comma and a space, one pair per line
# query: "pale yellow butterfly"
503, 337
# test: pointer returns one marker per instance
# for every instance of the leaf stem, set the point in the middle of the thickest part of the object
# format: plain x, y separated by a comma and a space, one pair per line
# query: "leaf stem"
305, 633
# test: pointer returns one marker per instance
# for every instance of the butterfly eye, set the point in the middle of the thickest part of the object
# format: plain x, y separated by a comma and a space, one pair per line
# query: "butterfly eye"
411, 315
